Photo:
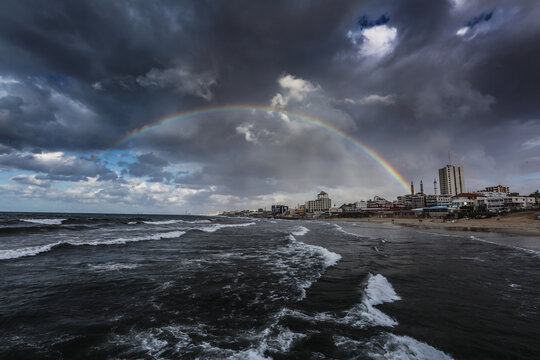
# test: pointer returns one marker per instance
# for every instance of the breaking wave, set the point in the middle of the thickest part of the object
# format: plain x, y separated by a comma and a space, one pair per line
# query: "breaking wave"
44, 221
300, 231
35, 250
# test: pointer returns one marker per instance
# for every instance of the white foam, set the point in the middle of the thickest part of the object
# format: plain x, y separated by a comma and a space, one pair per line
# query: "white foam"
404, 347
216, 227
35, 250
132, 223
44, 221
330, 258
340, 229
379, 290
26, 251
300, 231
363, 315
112, 266
176, 221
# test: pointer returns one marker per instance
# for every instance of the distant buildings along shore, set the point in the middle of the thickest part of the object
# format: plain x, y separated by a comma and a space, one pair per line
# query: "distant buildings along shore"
453, 200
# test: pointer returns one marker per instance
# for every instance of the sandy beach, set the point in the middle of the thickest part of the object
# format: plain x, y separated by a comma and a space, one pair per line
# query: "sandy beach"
519, 229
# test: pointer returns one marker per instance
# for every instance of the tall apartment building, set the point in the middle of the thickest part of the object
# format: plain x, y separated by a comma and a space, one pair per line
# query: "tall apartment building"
452, 180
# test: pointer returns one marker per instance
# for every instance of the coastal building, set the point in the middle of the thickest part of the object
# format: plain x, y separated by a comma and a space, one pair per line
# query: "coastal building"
452, 180
519, 202
361, 205
468, 200
279, 209
492, 202
438, 200
323, 203
499, 189
410, 201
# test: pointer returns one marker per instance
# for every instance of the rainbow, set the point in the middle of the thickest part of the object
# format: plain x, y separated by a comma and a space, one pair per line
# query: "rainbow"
262, 109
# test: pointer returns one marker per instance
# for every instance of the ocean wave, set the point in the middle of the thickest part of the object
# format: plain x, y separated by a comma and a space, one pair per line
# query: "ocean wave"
178, 340
300, 231
530, 251
330, 258
378, 291
216, 227
35, 250
340, 229
44, 221
363, 315
396, 347
174, 221
388, 346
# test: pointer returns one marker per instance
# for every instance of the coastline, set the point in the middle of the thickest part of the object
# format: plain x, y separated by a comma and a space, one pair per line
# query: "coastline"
520, 230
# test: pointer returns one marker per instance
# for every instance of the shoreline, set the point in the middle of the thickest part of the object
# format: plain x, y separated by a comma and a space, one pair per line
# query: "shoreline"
516, 230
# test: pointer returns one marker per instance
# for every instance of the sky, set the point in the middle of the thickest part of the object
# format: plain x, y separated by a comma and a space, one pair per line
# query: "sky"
420, 83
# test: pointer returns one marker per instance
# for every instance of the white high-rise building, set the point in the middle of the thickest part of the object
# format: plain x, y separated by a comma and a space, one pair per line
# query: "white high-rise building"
451, 180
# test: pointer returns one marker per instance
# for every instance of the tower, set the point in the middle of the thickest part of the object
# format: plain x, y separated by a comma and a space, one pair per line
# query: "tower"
412, 188
421, 187
452, 180
435, 186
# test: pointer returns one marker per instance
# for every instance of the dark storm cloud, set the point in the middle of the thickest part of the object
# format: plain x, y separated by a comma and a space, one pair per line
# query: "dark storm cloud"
480, 18
149, 165
77, 76
365, 22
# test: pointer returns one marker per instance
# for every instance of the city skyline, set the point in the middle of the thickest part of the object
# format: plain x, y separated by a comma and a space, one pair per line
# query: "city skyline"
202, 107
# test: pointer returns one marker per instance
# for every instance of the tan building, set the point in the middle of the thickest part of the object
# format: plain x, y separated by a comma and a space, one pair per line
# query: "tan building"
452, 180
323, 203
499, 189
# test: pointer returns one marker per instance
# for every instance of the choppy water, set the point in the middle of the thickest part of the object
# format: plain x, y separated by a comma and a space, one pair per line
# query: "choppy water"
113, 286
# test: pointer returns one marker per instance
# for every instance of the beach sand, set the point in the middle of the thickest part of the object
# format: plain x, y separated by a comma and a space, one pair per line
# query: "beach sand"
519, 230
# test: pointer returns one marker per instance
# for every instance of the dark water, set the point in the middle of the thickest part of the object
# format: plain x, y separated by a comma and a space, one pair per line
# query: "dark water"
145, 287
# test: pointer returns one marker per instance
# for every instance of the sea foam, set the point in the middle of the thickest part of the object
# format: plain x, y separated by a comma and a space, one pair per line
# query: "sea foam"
216, 227
35, 250
330, 258
300, 231
176, 221
44, 221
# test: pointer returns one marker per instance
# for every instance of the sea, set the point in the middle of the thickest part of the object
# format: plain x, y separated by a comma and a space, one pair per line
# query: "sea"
95, 286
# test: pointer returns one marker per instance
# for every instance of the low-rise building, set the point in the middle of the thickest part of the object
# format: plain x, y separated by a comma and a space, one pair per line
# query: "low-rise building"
466, 200
323, 203
519, 202
438, 200
499, 189
279, 209
492, 202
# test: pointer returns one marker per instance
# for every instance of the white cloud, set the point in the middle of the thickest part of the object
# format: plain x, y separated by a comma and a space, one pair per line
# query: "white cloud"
376, 41
180, 79
294, 89
246, 130
462, 31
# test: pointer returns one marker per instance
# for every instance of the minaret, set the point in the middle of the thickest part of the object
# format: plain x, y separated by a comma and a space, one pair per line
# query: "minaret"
435, 186
412, 188
421, 187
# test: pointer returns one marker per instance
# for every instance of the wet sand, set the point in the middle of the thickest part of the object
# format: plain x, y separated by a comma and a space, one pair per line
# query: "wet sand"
518, 230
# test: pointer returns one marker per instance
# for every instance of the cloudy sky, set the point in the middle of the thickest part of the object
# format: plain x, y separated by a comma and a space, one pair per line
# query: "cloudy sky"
413, 80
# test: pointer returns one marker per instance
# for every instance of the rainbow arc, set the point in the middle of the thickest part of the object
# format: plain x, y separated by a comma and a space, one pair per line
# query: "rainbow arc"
391, 170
